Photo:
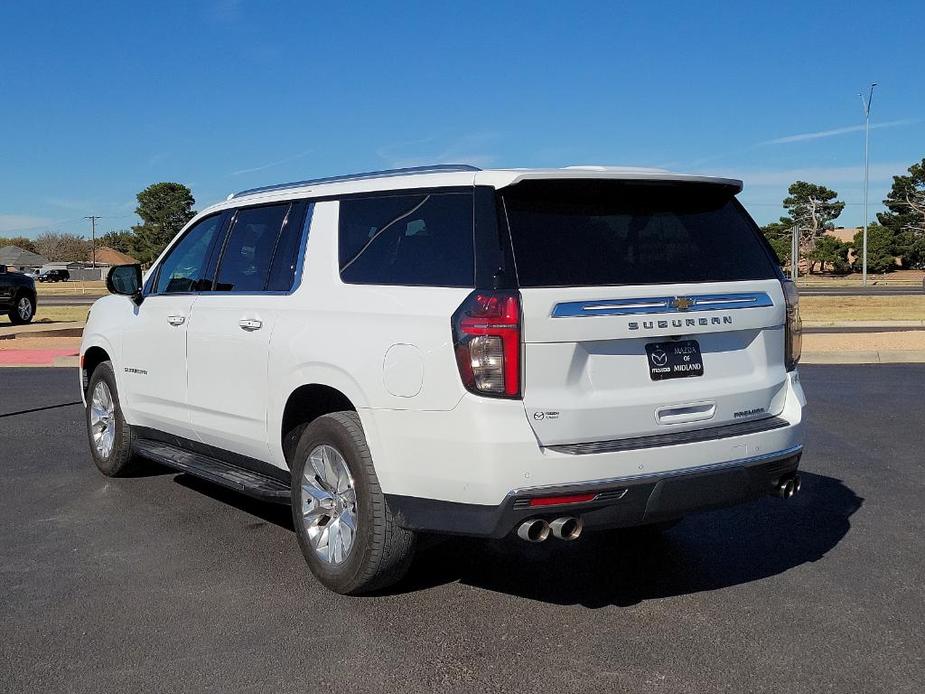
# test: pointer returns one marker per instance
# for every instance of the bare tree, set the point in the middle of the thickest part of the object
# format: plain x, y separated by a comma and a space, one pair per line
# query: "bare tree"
62, 247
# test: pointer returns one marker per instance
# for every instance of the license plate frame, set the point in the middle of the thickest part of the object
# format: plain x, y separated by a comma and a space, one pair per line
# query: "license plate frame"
674, 359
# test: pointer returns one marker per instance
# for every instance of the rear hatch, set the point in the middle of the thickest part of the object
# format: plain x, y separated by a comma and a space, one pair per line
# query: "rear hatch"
648, 308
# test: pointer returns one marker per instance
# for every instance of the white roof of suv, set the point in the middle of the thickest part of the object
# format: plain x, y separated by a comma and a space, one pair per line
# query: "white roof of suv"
445, 175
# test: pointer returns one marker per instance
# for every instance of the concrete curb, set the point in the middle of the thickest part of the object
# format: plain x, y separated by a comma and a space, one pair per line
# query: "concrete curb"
884, 324
880, 357
72, 329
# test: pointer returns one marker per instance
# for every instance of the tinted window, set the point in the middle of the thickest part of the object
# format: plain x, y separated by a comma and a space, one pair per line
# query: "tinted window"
248, 252
423, 239
184, 269
286, 256
581, 233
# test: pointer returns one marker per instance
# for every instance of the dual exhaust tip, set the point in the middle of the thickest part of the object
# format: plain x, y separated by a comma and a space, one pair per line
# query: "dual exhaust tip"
569, 527
788, 487
538, 529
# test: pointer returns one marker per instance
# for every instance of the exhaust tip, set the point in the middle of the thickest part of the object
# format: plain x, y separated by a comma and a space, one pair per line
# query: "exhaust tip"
788, 487
566, 528
535, 530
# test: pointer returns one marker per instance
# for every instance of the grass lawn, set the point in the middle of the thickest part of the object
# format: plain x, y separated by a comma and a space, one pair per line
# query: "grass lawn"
867, 308
90, 288
900, 278
54, 314
59, 314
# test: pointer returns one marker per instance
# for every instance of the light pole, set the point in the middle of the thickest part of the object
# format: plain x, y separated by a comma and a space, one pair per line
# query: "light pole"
93, 219
866, 105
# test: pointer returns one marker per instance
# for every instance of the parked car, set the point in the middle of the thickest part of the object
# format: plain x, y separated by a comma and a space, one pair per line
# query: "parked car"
55, 276
450, 350
17, 296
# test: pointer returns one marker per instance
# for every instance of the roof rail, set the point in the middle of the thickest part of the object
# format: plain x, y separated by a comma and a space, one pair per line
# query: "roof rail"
436, 168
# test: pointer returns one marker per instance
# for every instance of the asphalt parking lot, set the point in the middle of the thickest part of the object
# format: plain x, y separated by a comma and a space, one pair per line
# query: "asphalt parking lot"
164, 583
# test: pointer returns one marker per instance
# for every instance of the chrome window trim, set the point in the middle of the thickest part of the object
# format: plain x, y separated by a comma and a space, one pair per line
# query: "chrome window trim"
661, 304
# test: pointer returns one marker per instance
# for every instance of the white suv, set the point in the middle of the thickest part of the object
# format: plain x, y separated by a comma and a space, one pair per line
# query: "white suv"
452, 350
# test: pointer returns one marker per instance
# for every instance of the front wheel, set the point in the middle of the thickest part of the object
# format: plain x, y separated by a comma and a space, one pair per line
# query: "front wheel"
110, 435
346, 531
23, 310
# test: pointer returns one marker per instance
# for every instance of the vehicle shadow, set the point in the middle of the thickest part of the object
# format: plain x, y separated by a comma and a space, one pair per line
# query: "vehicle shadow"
277, 514
705, 552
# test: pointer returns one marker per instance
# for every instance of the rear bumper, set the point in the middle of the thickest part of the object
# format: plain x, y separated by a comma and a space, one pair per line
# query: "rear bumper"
620, 502
477, 453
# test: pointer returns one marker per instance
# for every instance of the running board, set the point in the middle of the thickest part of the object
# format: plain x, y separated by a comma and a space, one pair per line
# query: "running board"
247, 482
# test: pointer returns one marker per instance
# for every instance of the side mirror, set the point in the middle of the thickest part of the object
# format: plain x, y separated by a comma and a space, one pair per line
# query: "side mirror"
125, 280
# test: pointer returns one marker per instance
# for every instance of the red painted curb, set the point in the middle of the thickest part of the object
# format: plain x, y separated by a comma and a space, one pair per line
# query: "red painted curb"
34, 356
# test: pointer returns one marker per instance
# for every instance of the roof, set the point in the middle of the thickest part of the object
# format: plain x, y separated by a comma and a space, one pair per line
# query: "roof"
844, 234
110, 256
445, 175
19, 257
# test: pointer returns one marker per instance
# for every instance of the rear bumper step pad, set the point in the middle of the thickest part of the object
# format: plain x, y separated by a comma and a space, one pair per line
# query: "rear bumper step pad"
673, 438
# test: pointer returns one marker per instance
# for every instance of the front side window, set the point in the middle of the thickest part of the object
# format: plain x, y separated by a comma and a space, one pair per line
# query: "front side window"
248, 253
419, 239
185, 267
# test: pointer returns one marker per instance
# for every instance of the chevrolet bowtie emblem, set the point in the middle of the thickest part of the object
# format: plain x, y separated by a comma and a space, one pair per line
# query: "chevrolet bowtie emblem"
681, 303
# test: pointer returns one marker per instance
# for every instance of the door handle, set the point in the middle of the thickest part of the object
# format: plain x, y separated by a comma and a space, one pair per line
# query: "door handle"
250, 324
176, 319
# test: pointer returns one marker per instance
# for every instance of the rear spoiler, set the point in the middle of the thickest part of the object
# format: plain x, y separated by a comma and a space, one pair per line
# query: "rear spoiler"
510, 177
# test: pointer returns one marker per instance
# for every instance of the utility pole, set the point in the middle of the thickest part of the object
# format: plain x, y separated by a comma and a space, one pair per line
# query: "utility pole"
866, 105
93, 219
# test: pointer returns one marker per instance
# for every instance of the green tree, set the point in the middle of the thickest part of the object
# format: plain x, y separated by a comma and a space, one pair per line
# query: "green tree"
880, 247
779, 236
164, 208
812, 208
905, 216
123, 241
19, 242
832, 251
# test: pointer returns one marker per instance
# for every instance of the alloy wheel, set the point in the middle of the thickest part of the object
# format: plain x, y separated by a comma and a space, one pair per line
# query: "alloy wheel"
102, 419
329, 504
24, 308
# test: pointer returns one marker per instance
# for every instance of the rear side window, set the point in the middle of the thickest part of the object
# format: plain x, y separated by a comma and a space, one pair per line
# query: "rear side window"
420, 239
287, 253
586, 233
248, 253
185, 267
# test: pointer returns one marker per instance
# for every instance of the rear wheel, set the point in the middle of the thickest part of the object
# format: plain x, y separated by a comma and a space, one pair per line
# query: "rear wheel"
109, 434
346, 532
23, 309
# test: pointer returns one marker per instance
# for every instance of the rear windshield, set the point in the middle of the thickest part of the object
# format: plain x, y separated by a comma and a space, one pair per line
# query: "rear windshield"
583, 233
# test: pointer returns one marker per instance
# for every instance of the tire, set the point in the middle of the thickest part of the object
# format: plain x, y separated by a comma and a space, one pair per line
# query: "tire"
23, 310
345, 506
116, 459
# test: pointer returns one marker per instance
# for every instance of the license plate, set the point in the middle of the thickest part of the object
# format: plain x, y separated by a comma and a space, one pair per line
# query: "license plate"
679, 359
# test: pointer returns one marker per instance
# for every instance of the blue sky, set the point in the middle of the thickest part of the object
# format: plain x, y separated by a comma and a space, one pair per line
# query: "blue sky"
98, 100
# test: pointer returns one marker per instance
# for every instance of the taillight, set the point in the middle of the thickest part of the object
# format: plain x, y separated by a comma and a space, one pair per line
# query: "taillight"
793, 333
486, 337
